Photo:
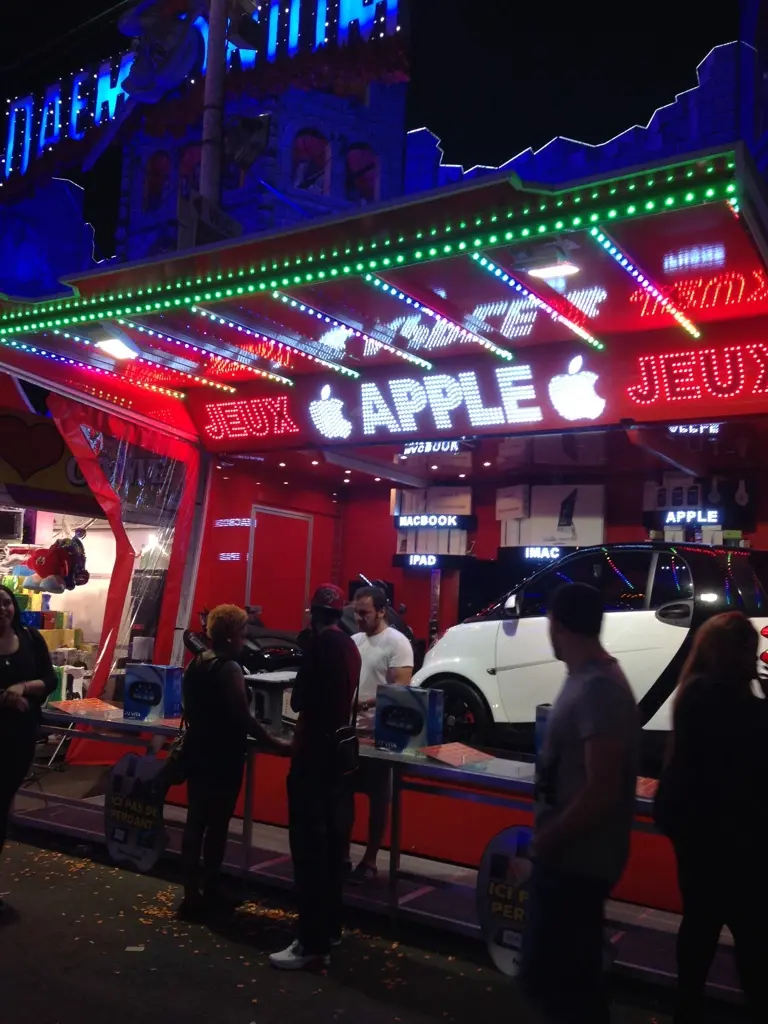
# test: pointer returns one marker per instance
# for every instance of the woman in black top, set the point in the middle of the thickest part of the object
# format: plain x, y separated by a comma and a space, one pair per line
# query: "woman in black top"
26, 679
218, 725
713, 804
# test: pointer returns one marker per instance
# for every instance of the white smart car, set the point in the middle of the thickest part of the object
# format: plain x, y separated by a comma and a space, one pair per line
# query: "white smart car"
496, 667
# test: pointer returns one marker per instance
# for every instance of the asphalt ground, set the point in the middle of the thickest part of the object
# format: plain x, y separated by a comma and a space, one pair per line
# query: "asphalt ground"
83, 941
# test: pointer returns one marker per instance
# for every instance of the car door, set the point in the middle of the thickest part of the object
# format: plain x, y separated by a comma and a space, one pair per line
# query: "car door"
648, 599
526, 669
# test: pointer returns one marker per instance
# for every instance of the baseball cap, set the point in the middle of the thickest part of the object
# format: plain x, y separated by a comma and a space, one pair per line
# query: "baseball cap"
328, 595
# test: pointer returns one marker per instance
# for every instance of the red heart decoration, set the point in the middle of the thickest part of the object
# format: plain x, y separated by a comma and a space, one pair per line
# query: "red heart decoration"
29, 448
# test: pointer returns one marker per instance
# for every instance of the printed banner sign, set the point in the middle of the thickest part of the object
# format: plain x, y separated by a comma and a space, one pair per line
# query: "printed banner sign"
133, 812
502, 895
556, 390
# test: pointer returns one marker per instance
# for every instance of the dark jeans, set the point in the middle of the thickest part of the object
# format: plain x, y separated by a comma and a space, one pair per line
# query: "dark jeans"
16, 752
210, 805
319, 819
717, 894
562, 957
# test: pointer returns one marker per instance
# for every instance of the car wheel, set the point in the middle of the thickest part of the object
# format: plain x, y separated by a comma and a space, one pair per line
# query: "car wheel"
466, 718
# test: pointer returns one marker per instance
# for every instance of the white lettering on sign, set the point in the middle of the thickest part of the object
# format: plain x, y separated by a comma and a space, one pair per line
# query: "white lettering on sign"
229, 556
699, 516
695, 428
542, 553
232, 522
441, 394
431, 448
413, 522
427, 560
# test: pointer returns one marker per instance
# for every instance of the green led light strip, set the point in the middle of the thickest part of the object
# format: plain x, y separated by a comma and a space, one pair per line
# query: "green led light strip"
562, 214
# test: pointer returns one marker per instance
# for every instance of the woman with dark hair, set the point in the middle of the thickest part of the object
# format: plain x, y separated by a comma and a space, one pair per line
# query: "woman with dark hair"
26, 679
218, 725
713, 804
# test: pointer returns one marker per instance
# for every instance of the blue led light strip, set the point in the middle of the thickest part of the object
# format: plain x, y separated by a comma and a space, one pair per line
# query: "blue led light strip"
36, 350
464, 333
211, 353
229, 322
536, 300
302, 307
613, 250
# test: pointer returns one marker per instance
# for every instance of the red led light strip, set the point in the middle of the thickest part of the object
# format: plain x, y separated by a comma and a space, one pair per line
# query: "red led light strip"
36, 350
228, 322
608, 245
188, 346
317, 314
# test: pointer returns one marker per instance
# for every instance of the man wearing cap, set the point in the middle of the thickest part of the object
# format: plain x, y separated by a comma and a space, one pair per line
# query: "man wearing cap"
320, 799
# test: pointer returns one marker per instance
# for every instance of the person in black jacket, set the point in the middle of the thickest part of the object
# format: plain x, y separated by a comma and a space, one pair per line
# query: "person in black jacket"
218, 725
26, 679
713, 804
320, 797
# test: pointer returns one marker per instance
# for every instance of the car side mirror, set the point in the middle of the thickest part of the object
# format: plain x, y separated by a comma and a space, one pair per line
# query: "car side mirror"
510, 607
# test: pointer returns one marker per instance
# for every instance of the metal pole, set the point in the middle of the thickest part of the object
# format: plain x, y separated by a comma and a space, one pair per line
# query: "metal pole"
213, 103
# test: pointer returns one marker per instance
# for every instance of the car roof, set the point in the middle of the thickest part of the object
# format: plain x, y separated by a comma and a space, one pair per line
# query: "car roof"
663, 545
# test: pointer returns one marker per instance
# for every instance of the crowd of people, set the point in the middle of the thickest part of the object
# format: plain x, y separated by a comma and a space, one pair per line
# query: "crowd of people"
711, 800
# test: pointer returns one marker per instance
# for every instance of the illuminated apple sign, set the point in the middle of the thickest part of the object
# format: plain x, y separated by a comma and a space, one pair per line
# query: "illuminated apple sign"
573, 394
688, 516
328, 415
401, 406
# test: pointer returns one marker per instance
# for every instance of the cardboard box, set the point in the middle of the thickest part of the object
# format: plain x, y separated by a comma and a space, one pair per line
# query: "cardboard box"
408, 718
152, 692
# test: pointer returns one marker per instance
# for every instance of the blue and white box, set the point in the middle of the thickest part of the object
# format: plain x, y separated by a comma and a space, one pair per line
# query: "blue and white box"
408, 718
152, 692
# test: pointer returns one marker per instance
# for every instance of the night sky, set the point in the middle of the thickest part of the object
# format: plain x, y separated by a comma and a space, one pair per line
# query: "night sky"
489, 77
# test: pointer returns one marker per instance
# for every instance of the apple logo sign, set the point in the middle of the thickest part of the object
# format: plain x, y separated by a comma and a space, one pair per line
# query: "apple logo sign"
328, 415
573, 394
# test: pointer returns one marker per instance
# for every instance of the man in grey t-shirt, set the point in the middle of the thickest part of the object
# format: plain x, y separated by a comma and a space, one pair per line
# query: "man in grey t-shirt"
586, 784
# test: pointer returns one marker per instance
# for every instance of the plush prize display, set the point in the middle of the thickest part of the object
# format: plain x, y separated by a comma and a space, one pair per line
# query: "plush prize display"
58, 568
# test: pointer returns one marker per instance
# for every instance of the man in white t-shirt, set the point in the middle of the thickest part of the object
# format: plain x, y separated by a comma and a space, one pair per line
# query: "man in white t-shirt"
387, 659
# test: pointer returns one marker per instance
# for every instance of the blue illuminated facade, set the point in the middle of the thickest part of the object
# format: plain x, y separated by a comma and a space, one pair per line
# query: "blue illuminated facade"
331, 149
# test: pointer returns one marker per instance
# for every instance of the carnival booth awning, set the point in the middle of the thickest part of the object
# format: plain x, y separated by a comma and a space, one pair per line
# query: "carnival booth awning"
493, 308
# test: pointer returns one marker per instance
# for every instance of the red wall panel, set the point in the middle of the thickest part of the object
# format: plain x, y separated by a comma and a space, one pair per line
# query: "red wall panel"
279, 551
369, 541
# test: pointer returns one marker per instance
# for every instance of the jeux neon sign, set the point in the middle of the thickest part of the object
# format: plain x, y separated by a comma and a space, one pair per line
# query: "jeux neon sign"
65, 110
696, 373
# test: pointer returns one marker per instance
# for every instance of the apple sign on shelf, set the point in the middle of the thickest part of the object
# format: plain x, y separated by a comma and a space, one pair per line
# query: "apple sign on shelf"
573, 394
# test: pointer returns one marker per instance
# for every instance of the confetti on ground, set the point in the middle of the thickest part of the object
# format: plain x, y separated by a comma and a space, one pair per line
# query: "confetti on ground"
134, 949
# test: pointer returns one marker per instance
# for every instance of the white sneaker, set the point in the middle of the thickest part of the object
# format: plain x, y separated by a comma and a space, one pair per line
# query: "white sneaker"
295, 959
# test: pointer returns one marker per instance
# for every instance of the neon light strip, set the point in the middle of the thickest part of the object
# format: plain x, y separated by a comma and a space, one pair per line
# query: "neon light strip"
227, 322
190, 376
149, 362
395, 293
468, 335
311, 311
36, 350
613, 250
537, 301
562, 211
212, 354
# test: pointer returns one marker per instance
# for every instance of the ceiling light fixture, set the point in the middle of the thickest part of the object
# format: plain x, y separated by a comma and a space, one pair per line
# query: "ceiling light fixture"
553, 270
117, 348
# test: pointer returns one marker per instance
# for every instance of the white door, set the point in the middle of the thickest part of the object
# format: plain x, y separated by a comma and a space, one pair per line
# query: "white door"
635, 584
